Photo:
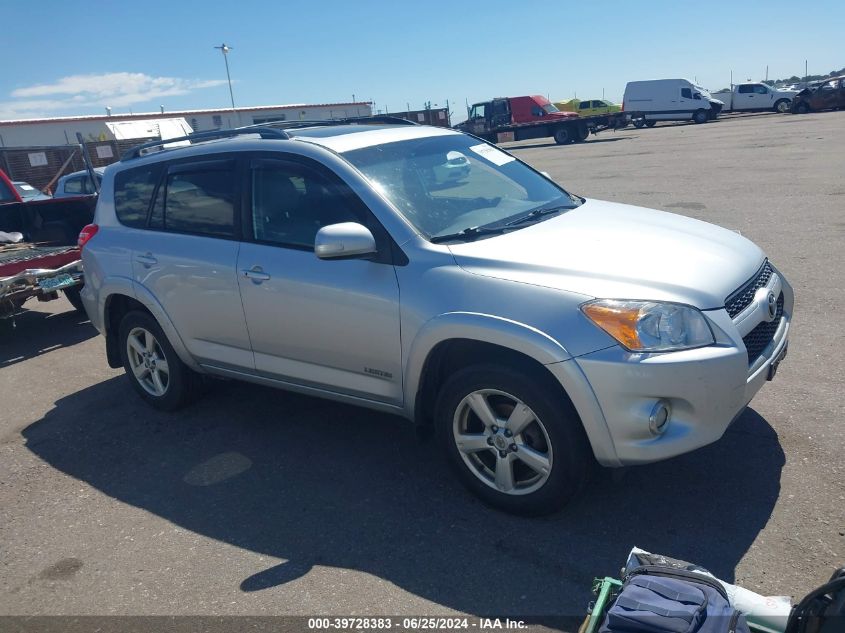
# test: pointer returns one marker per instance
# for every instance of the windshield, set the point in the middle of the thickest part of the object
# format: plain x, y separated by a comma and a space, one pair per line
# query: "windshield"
447, 184
549, 108
26, 190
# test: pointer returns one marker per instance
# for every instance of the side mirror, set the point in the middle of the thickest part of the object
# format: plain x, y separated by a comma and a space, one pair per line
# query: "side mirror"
344, 240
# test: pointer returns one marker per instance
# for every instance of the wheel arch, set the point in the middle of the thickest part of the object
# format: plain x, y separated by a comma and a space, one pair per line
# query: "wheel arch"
455, 340
129, 296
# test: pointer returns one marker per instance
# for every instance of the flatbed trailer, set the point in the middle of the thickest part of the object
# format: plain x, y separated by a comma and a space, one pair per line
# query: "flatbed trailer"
501, 120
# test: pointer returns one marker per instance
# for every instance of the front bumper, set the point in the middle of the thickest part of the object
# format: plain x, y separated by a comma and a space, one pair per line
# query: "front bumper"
706, 388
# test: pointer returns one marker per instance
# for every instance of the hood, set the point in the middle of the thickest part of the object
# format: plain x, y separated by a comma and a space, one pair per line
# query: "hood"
617, 251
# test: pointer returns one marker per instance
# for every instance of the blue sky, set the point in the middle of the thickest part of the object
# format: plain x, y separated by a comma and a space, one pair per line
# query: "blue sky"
66, 58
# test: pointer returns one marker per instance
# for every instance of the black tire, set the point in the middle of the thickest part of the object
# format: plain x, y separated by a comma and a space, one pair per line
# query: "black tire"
782, 106
638, 123
183, 384
563, 135
700, 116
582, 133
72, 295
571, 456
650, 123
802, 108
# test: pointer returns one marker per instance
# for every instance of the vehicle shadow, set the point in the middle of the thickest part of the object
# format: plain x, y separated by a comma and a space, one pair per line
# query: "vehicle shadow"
33, 333
318, 483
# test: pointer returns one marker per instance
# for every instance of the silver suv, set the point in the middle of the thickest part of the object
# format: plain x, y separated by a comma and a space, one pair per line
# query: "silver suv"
426, 273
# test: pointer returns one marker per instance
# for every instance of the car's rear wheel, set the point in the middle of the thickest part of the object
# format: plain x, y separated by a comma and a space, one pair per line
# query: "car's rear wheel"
152, 365
563, 135
582, 133
782, 106
514, 443
638, 123
650, 123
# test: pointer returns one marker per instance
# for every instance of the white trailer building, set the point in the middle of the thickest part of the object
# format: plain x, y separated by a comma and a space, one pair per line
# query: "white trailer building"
62, 130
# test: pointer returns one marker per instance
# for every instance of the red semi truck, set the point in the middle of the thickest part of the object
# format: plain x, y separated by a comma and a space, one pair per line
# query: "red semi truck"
519, 118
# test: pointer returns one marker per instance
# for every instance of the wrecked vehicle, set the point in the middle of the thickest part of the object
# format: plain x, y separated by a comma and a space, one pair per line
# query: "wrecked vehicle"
39, 255
826, 96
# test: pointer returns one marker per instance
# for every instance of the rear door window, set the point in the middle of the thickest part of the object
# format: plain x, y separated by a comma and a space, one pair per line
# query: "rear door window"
200, 199
744, 90
133, 190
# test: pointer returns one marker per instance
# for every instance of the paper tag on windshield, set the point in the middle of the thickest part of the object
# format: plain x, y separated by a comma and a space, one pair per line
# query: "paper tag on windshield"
493, 154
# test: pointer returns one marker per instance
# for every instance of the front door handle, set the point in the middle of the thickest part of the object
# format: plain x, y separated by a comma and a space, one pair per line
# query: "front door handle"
256, 273
146, 259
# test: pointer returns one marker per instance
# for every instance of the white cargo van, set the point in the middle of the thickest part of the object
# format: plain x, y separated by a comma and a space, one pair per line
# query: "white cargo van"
668, 100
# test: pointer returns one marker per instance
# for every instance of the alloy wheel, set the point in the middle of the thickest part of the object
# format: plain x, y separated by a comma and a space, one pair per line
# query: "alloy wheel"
147, 361
502, 442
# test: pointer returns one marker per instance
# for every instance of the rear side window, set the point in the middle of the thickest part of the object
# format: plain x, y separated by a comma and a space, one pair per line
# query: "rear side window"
133, 190
201, 201
73, 185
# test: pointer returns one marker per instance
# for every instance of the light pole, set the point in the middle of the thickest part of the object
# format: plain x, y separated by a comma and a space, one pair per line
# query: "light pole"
225, 50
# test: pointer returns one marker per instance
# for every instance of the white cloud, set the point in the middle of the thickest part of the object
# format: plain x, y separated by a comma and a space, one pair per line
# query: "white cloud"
115, 90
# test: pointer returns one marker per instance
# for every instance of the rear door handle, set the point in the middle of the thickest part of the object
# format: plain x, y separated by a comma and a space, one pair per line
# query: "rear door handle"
256, 273
146, 259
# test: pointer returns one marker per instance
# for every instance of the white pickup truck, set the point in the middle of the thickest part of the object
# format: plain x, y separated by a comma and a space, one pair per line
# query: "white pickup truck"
755, 96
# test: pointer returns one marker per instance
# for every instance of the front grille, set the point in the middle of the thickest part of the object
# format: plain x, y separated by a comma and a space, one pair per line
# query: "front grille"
743, 297
758, 338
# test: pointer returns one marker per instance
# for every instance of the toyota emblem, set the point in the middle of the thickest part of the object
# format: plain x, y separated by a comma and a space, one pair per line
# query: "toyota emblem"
773, 306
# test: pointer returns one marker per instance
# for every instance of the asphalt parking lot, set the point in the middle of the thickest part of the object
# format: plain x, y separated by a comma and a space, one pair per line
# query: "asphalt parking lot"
255, 501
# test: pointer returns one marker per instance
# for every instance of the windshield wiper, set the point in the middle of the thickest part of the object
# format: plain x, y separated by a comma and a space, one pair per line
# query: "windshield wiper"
537, 213
470, 233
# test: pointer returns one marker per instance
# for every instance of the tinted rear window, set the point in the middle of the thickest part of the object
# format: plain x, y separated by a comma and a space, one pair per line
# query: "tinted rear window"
133, 190
201, 202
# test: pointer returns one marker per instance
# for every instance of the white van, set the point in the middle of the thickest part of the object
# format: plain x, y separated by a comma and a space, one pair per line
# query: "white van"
668, 100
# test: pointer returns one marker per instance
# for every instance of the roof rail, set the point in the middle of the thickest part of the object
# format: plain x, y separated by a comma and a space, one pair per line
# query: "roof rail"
270, 130
262, 130
354, 120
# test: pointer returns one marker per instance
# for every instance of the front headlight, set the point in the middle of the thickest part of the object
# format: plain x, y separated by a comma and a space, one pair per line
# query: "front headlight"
649, 326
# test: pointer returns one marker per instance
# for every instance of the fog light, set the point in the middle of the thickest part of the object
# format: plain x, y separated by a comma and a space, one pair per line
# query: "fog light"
659, 418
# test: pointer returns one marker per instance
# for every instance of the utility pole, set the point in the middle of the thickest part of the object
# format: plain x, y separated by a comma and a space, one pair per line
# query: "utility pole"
224, 48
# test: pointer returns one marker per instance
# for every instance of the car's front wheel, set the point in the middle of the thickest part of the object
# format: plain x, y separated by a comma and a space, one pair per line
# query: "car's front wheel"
152, 365
515, 443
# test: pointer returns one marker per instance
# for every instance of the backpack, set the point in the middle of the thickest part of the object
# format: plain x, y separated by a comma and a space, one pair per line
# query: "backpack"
659, 599
822, 610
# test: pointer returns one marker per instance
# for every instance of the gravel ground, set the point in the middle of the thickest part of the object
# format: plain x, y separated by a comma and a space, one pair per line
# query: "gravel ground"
260, 502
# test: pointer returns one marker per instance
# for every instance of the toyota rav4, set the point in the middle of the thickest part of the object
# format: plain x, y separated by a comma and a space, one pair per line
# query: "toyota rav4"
538, 332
